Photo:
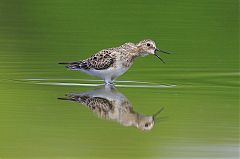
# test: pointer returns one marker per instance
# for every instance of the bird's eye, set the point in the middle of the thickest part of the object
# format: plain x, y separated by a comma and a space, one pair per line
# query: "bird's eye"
148, 44
146, 125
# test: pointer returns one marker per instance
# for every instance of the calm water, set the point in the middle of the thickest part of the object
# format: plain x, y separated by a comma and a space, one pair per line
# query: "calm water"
198, 86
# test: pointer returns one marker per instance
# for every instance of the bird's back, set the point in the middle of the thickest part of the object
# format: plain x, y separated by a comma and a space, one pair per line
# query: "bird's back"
104, 59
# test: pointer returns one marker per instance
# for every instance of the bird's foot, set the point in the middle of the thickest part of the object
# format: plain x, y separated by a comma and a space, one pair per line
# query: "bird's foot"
109, 83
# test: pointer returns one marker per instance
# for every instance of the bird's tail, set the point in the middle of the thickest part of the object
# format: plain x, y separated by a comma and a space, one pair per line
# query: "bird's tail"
75, 98
75, 65
64, 98
69, 97
64, 63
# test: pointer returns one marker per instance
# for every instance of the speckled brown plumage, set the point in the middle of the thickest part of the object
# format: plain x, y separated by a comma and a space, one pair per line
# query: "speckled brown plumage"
108, 103
99, 105
110, 63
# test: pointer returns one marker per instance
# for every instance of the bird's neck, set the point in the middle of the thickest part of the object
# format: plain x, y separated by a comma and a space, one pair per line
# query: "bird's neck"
138, 52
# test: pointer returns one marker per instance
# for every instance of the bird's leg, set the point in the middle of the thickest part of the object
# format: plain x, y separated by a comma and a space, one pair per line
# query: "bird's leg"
108, 81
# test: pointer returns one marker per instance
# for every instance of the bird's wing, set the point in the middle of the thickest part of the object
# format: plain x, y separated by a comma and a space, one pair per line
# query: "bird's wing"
93, 103
106, 58
102, 60
99, 104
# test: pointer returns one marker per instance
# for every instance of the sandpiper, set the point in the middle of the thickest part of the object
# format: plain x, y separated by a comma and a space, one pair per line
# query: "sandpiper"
110, 63
110, 104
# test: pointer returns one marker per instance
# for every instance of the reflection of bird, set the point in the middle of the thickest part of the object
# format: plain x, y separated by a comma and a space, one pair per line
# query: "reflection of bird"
107, 103
108, 64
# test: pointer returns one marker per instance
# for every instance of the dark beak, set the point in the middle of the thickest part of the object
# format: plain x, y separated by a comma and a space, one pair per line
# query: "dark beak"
155, 53
157, 113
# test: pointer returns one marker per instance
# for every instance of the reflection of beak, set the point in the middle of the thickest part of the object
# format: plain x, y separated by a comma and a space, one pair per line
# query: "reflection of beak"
157, 113
155, 53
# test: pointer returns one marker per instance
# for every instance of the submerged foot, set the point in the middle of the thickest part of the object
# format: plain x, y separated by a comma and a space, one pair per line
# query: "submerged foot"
108, 82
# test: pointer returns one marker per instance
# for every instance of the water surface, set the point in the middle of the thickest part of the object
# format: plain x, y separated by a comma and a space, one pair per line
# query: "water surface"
198, 86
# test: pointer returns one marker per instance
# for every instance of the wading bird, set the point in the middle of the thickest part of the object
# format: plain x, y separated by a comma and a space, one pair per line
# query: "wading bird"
110, 104
108, 64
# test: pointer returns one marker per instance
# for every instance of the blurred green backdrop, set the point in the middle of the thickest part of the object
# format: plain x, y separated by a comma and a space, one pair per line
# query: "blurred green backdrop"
203, 108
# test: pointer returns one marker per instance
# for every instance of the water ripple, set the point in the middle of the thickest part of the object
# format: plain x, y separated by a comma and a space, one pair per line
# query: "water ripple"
132, 84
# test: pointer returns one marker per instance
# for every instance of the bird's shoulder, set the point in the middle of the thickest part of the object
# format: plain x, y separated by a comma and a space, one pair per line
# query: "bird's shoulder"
102, 59
99, 105
107, 57
112, 52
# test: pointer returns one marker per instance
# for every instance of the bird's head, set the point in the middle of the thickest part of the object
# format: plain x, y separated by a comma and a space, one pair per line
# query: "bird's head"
147, 47
145, 123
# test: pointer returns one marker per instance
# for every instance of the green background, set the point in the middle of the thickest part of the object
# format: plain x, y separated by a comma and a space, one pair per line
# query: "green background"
202, 109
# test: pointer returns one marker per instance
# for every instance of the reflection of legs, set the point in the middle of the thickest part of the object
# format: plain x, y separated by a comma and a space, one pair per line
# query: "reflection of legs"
109, 87
113, 79
109, 80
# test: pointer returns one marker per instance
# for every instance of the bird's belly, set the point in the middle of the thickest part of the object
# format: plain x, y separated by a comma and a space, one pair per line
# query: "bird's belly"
118, 71
110, 73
